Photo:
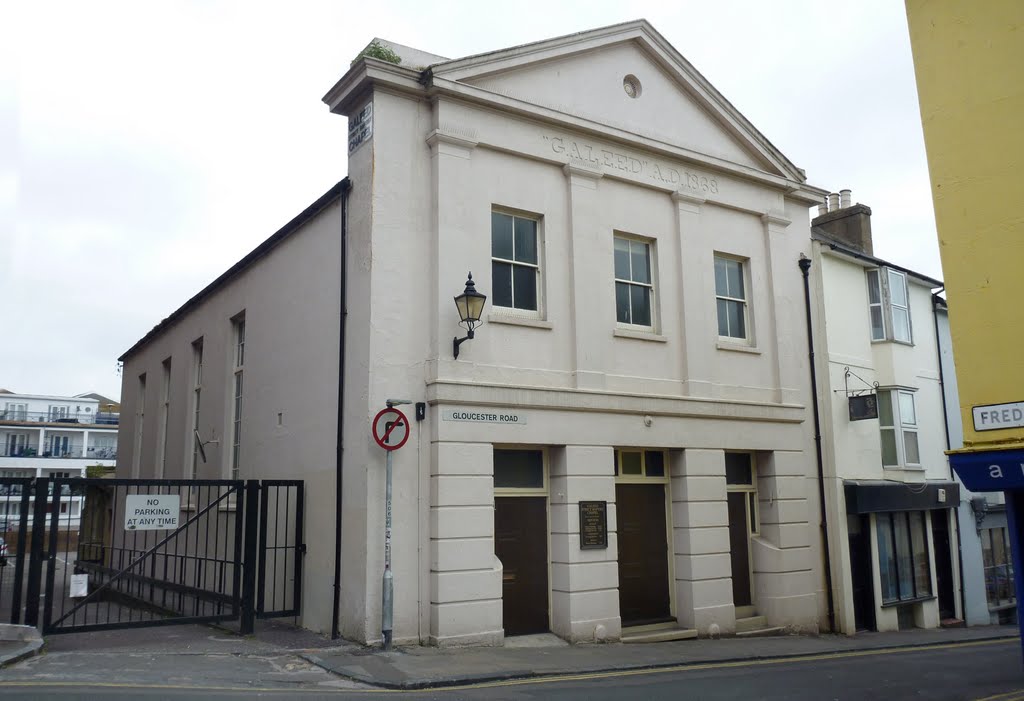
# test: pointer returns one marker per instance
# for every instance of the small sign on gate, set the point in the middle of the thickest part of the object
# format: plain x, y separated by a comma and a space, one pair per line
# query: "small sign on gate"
151, 512
79, 586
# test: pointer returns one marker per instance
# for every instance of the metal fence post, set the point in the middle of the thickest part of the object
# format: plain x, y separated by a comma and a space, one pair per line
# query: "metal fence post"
35, 563
251, 513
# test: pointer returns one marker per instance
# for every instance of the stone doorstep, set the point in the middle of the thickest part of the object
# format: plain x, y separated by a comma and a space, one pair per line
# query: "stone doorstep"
657, 633
744, 625
762, 632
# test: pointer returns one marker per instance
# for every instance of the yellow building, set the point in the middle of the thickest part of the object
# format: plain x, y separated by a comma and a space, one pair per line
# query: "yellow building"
969, 58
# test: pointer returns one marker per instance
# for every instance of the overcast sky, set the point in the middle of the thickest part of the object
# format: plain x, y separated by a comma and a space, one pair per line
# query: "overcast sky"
156, 143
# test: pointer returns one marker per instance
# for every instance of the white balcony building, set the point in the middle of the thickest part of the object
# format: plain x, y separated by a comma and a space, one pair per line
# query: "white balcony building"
45, 435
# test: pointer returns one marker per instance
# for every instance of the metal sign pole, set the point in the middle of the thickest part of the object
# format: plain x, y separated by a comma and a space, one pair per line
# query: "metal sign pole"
384, 433
389, 578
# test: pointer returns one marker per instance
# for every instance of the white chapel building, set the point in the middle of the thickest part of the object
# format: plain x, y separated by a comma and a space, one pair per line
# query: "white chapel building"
626, 440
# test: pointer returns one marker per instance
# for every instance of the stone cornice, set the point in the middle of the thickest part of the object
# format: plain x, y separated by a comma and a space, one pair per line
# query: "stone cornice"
453, 139
583, 170
512, 396
684, 197
776, 219
343, 97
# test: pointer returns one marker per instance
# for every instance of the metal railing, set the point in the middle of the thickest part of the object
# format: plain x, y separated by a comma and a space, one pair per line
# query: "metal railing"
71, 451
228, 551
100, 418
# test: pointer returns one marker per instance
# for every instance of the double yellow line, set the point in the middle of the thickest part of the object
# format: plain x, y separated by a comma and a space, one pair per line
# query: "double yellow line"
1017, 695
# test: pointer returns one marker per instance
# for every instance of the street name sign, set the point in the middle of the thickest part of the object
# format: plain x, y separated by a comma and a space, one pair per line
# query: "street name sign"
993, 417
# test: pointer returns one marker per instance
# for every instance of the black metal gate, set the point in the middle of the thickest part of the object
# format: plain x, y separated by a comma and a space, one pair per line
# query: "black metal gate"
113, 553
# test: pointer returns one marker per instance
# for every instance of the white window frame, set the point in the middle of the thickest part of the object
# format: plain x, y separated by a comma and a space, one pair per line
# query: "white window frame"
140, 419
14, 441
538, 267
165, 416
652, 292
744, 263
16, 412
883, 284
901, 427
541, 491
197, 392
238, 366
749, 489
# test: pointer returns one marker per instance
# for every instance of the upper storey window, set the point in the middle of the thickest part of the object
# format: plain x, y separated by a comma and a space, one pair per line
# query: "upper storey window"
731, 298
515, 262
634, 284
889, 305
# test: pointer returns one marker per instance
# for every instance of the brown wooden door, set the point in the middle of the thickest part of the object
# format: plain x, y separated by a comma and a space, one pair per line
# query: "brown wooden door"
521, 543
739, 545
643, 554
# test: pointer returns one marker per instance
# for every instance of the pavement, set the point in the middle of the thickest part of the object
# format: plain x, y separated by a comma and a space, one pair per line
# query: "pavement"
280, 657
18, 643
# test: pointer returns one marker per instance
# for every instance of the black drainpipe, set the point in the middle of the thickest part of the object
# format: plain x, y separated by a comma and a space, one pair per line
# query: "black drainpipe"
805, 267
340, 443
945, 425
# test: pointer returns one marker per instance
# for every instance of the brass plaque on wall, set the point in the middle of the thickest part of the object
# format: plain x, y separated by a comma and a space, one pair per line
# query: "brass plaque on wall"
593, 525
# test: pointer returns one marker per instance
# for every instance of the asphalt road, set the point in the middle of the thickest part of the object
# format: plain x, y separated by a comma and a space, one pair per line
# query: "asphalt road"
989, 671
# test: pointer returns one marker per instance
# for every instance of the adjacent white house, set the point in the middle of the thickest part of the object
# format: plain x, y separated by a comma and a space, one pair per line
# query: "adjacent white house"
890, 496
623, 440
43, 435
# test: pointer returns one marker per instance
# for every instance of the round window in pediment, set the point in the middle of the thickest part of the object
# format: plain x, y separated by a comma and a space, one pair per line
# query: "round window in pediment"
632, 86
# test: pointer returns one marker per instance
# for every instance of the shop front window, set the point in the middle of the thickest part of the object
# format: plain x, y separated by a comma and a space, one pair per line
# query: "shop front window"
995, 555
903, 565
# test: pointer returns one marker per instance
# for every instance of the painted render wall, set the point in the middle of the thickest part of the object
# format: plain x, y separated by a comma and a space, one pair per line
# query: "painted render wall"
290, 299
437, 168
852, 449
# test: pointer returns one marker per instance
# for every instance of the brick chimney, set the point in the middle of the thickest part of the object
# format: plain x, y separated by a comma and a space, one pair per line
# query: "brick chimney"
847, 223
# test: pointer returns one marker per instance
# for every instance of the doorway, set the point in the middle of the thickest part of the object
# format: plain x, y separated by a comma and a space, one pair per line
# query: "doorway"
740, 479
861, 576
521, 539
640, 498
943, 563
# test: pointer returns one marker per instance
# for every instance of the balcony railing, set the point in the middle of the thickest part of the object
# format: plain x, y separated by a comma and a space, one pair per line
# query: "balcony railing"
71, 451
100, 418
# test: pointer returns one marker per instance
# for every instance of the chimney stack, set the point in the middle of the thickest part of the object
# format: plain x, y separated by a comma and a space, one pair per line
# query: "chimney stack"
847, 223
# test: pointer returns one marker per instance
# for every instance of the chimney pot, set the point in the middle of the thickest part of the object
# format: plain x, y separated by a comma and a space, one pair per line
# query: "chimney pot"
844, 198
833, 201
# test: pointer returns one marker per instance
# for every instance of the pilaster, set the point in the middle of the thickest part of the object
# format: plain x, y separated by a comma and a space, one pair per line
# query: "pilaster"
465, 575
784, 317
703, 572
451, 149
584, 583
589, 242
695, 304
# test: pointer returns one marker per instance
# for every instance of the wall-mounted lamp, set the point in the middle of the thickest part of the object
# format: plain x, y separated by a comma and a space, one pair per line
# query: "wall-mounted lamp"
470, 305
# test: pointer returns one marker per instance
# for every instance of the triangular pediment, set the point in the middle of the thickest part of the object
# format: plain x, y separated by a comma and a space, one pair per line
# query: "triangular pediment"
585, 75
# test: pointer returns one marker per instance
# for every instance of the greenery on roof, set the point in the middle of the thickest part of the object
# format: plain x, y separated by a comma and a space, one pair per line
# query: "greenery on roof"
378, 51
